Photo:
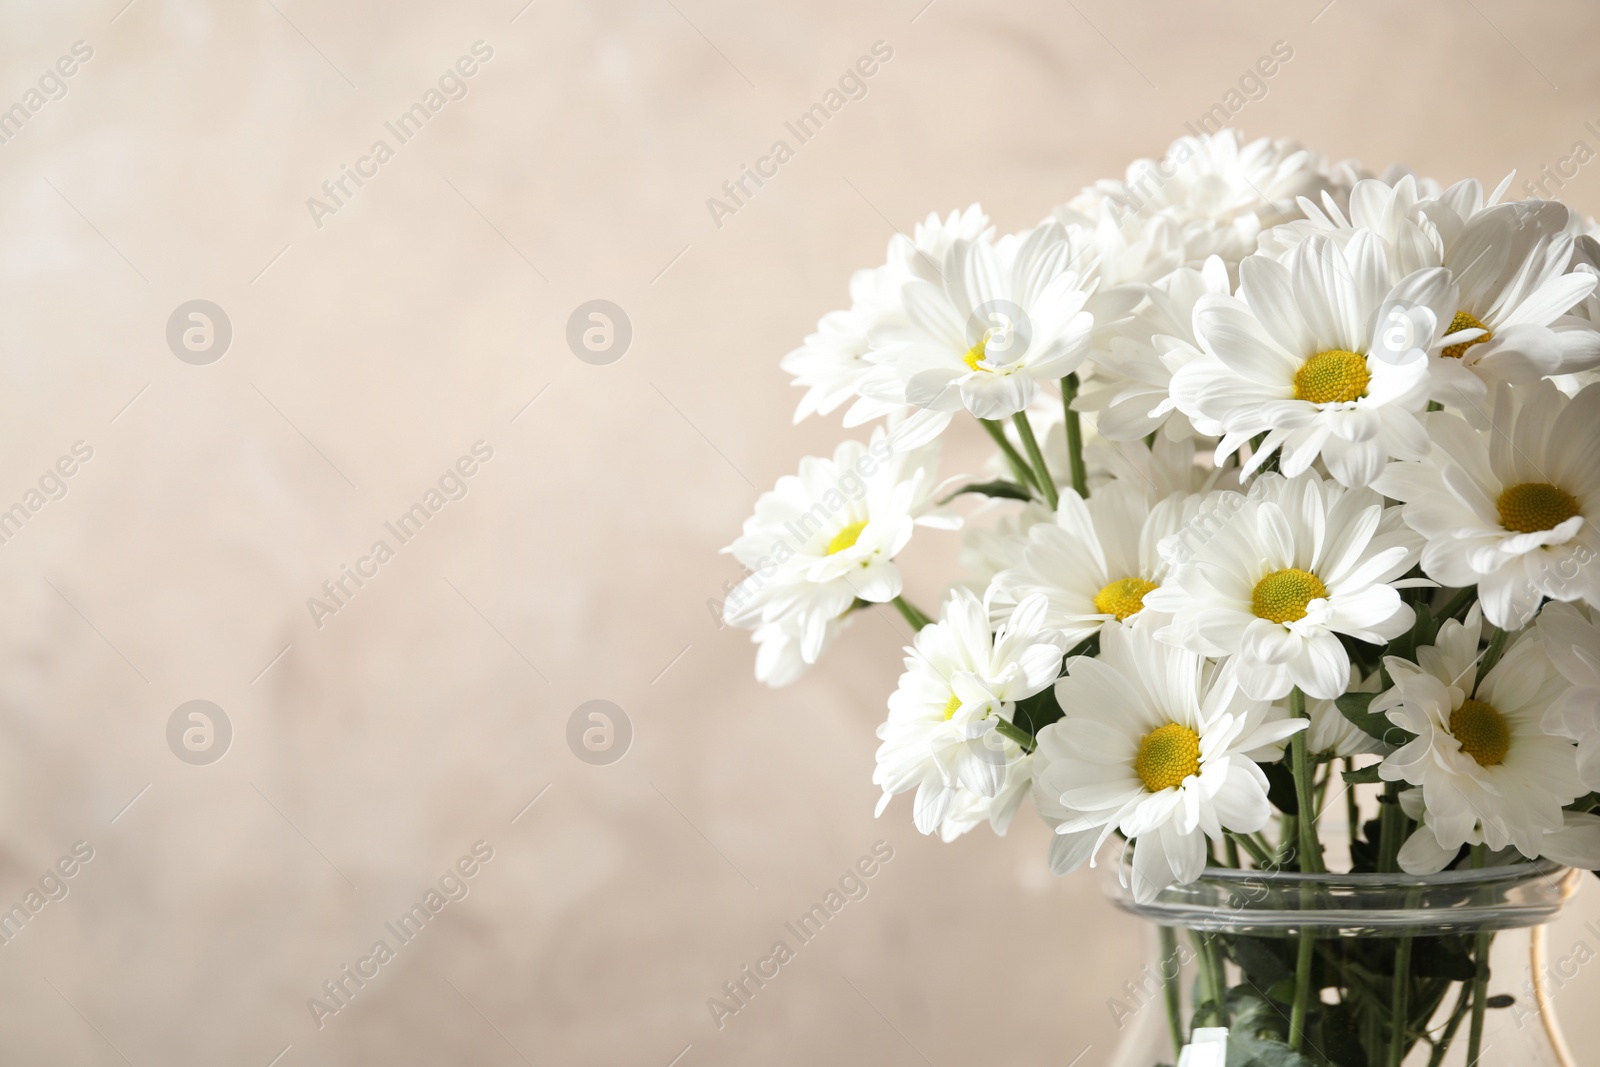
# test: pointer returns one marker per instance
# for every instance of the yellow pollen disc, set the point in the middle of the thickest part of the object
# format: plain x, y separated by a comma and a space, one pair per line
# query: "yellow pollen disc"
1535, 506
1167, 756
975, 354
1123, 597
1282, 596
1465, 320
846, 538
1482, 731
951, 706
1331, 377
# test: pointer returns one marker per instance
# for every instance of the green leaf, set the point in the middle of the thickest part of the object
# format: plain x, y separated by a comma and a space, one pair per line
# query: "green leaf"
1000, 487
1038, 711
1354, 707
1263, 961
1280, 788
1362, 776
1256, 1034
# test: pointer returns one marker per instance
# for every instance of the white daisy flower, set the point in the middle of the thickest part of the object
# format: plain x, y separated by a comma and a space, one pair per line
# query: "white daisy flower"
1572, 641
1275, 576
824, 539
1510, 264
1331, 733
961, 679
1576, 843
1005, 315
831, 364
1218, 190
1161, 746
1096, 562
1480, 755
1303, 356
1131, 397
1511, 510
986, 550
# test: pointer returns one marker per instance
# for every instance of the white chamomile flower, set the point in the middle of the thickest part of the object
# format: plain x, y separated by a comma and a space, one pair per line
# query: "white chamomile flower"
1218, 190
1131, 397
1509, 262
823, 539
1573, 642
1005, 315
1304, 355
1576, 843
986, 550
1511, 510
1160, 745
961, 679
1331, 733
1096, 562
831, 364
1480, 754
1170, 465
1274, 577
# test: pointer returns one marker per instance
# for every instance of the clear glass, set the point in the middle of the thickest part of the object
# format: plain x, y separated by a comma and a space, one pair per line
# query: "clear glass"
1246, 933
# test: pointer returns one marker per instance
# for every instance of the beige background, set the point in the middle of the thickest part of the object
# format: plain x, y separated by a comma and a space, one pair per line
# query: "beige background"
371, 352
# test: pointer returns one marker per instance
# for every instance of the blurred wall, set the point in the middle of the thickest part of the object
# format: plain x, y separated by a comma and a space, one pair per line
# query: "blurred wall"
378, 340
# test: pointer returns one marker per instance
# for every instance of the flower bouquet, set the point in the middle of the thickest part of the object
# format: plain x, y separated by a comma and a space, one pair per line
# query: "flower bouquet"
1283, 574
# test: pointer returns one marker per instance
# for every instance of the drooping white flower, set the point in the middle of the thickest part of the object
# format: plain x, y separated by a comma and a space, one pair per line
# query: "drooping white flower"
824, 539
832, 364
1275, 575
1003, 316
961, 679
1576, 843
1331, 733
1512, 509
1304, 355
1481, 756
1096, 562
1572, 641
1160, 745
1131, 394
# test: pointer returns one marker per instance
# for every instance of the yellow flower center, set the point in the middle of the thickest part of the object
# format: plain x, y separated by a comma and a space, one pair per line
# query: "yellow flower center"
950, 707
1282, 596
1483, 732
1123, 597
1167, 755
1465, 320
1331, 377
1534, 506
975, 354
847, 537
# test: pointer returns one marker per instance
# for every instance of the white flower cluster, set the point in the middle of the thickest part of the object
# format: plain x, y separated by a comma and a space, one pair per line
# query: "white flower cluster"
1297, 466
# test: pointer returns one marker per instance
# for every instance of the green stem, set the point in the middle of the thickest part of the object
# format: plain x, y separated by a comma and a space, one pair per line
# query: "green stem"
1262, 857
1006, 728
1391, 829
1462, 598
1080, 474
1310, 848
1459, 1012
1040, 467
1169, 958
1480, 983
1400, 991
1230, 849
1310, 862
1352, 811
1302, 988
1019, 466
912, 614
1492, 654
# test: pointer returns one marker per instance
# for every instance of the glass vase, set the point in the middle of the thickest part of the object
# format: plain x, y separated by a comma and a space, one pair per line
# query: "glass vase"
1444, 970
